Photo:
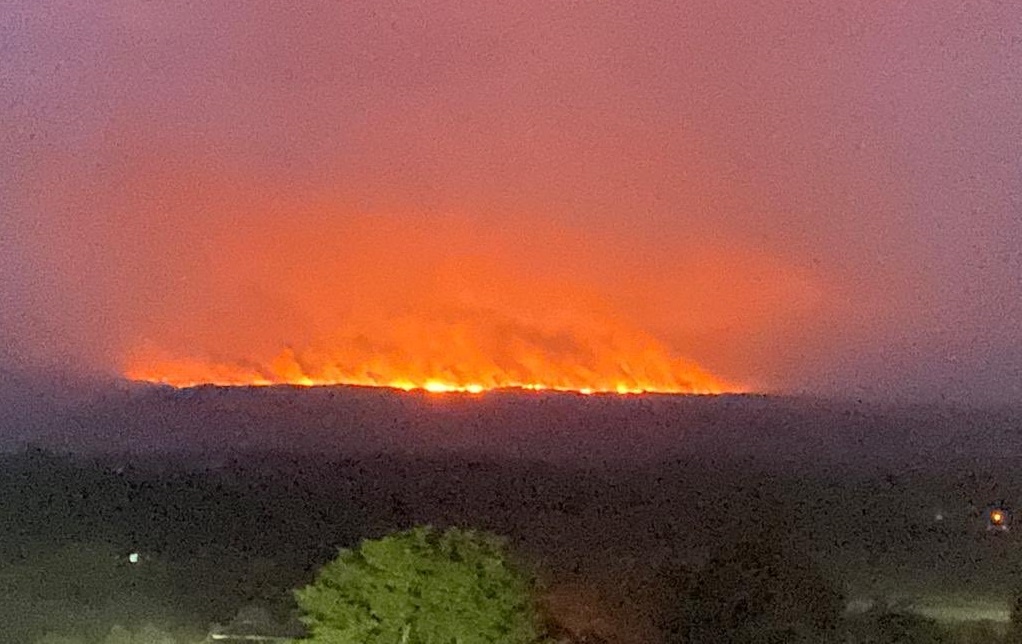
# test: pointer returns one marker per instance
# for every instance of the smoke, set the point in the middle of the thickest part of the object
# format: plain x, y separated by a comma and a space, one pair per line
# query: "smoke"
794, 198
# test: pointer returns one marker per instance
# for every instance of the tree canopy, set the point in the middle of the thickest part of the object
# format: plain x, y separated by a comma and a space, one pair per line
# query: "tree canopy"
756, 589
422, 586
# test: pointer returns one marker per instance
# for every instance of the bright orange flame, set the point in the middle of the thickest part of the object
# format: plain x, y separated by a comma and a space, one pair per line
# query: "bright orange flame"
440, 306
450, 362
997, 517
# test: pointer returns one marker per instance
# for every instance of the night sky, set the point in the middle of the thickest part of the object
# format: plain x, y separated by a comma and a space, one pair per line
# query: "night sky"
798, 196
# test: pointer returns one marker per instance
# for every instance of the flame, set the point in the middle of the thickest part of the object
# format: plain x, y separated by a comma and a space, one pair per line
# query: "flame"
445, 305
449, 360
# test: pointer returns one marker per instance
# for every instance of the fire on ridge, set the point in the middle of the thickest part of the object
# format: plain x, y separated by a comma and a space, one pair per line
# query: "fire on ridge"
445, 366
445, 306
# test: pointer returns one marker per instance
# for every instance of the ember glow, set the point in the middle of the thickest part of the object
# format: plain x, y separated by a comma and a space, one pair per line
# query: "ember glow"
445, 305
458, 195
451, 360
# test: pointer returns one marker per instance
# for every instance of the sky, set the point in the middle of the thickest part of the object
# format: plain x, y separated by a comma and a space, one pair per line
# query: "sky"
811, 197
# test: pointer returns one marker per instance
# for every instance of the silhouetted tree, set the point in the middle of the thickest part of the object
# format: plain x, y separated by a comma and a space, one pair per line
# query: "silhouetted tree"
752, 590
904, 628
1014, 635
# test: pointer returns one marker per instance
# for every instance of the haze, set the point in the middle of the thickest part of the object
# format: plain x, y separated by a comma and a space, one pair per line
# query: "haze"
799, 197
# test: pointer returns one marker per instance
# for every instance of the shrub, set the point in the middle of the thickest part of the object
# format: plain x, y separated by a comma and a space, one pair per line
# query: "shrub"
754, 590
421, 587
905, 628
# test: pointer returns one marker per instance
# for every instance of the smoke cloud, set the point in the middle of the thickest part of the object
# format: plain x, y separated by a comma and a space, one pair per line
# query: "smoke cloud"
793, 196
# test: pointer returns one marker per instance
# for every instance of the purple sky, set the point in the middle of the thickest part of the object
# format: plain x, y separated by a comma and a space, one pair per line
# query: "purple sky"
808, 196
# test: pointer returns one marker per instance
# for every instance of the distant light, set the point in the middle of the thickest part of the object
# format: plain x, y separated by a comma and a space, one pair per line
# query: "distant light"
939, 516
437, 387
997, 517
134, 558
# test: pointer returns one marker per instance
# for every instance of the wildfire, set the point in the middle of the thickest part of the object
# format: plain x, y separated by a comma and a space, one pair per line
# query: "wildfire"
448, 364
441, 305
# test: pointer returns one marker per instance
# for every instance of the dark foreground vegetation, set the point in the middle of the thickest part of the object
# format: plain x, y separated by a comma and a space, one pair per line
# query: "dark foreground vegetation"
167, 551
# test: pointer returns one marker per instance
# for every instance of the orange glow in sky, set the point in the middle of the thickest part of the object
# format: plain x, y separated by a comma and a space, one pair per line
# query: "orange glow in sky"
463, 195
450, 359
444, 305
440, 308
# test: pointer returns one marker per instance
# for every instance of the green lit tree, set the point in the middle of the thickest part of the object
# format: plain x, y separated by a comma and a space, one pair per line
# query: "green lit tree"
422, 587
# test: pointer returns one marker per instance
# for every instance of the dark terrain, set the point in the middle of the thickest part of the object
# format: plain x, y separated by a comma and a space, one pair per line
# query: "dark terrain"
234, 497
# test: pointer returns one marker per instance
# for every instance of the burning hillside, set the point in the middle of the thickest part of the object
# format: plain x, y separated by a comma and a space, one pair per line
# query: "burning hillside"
464, 354
661, 375
446, 304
